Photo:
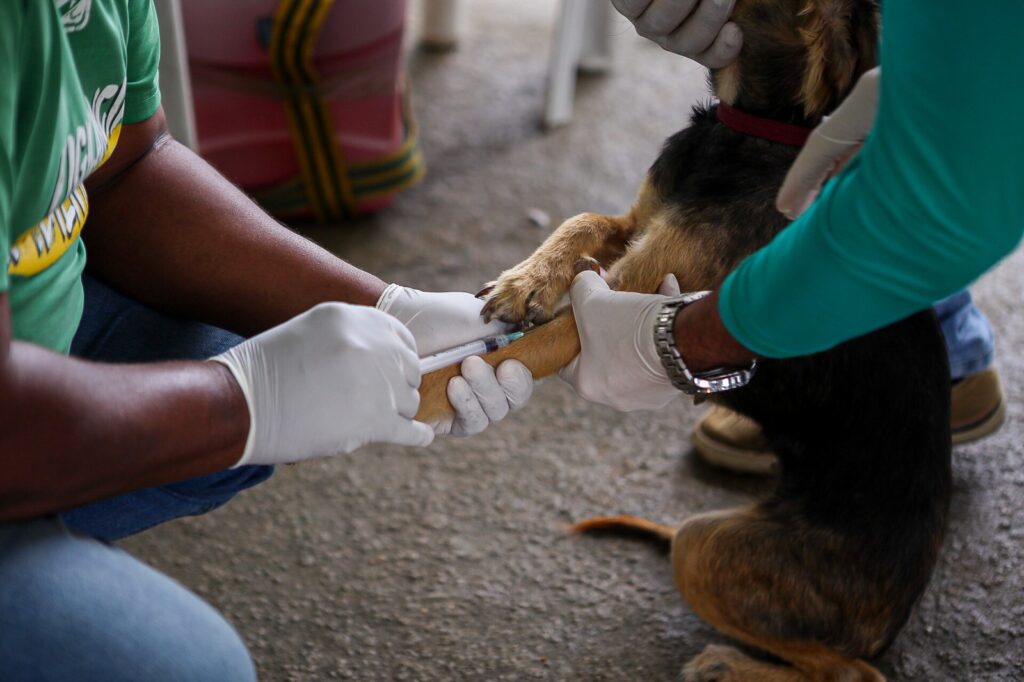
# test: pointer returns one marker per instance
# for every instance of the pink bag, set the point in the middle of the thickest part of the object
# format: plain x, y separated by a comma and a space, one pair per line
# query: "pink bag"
300, 102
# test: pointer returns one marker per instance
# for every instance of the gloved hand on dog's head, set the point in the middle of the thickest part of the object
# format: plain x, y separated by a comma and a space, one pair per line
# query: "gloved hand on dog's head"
698, 29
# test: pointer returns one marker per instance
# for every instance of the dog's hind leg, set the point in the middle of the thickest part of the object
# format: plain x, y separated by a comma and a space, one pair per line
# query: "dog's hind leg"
766, 584
719, 663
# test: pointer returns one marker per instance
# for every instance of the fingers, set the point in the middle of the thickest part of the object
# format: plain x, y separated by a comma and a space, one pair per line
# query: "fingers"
855, 116
725, 50
470, 418
484, 381
662, 17
517, 382
703, 29
406, 402
834, 142
571, 372
483, 395
808, 173
631, 9
698, 29
405, 352
444, 426
409, 365
411, 433
669, 286
403, 333
584, 286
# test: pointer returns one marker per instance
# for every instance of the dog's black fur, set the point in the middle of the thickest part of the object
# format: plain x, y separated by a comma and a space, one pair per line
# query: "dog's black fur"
861, 431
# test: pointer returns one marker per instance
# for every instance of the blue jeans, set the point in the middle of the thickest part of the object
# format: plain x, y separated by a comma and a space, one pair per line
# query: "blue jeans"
968, 335
72, 607
116, 328
75, 608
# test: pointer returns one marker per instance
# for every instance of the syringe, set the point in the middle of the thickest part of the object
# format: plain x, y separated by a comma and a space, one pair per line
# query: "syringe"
456, 355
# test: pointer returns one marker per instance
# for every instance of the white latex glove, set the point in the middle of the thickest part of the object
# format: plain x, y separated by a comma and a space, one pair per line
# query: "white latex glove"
618, 365
831, 145
482, 396
698, 29
443, 320
438, 320
327, 382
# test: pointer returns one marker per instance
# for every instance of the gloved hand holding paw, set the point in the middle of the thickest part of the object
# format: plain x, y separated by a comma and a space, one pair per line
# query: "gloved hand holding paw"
618, 364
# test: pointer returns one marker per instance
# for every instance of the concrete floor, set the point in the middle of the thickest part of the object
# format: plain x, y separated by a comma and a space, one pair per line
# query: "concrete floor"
452, 563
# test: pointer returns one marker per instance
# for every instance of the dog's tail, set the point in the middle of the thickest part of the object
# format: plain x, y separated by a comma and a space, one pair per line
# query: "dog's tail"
633, 525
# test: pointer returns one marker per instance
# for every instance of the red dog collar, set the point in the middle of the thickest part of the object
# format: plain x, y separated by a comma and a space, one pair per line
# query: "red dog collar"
765, 128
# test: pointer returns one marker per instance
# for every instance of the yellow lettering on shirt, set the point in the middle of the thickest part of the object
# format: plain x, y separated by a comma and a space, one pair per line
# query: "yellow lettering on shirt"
44, 244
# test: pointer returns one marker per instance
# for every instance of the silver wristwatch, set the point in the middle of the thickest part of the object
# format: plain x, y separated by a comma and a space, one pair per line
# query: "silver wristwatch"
692, 383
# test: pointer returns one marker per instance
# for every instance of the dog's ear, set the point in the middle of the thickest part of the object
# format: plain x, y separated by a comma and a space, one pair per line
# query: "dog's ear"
840, 37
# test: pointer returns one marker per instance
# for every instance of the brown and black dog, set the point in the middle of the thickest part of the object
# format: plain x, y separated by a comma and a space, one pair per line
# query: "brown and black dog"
825, 572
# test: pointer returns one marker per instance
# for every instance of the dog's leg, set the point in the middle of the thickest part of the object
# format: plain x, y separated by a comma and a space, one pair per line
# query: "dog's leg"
545, 350
530, 291
746, 574
527, 293
670, 245
719, 663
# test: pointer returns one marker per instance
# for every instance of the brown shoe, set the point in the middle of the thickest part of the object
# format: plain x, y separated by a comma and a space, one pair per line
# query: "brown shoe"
731, 441
977, 407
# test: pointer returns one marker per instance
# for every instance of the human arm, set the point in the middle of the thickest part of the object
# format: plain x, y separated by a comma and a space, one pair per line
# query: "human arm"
931, 202
73, 431
170, 230
698, 29
324, 383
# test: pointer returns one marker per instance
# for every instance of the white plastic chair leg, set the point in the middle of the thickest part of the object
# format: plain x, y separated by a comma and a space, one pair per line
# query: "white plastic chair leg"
582, 41
441, 24
596, 52
175, 83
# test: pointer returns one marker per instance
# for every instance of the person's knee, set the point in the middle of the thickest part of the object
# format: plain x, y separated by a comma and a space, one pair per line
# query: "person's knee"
73, 608
210, 650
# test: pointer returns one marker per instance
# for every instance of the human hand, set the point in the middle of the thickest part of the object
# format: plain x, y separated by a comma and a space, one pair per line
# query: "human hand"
831, 146
327, 382
618, 365
698, 29
484, 395
438, 321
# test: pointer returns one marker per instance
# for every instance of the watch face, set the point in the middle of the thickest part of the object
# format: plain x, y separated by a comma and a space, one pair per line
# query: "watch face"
713, 381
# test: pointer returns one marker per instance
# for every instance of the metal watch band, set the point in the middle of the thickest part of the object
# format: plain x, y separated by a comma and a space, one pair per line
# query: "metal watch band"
692, 383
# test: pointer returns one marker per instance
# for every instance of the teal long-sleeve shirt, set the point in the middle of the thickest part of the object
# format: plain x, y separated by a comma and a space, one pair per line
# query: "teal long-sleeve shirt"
935, 198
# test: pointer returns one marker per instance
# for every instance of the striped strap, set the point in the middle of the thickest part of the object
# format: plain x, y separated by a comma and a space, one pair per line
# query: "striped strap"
327, 186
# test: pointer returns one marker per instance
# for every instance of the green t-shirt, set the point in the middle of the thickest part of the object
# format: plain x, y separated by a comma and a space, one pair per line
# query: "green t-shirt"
935, 198
71, 73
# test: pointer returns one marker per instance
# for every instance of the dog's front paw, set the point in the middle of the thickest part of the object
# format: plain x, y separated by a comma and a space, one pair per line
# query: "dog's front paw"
520, 297
715, 664
528, 293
